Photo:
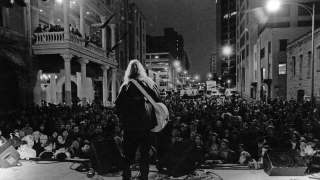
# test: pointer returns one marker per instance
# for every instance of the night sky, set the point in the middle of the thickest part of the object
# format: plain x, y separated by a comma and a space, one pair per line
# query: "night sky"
193, 19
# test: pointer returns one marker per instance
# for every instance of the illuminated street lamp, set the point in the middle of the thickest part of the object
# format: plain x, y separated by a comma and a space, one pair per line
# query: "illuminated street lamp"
274, 5
196, 77
176, 64
227, 50
229, 81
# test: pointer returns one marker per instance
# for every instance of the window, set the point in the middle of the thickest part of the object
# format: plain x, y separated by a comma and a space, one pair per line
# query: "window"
262, 53
309, 64
137, 45
263, 73
283, 44
318, 59
247, 50
300, 65
242, 40
294, 65
269, 47
243, 54
282, 68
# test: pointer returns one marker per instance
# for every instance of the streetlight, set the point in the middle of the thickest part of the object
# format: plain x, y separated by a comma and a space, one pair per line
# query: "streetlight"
229, 83
274, 5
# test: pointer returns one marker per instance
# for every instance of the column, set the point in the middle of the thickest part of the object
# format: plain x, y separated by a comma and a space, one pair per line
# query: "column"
114, 79
66, 11
105, 84
51, 11
82, 18
37, 89
104, 33
34, 17
67, 71
113, 34
77, 24
53, 86
83, 93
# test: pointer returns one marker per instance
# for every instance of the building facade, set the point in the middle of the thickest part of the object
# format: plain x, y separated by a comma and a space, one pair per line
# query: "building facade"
137, 28
226, 14
270, 62
252, 20
300, 67
59, 65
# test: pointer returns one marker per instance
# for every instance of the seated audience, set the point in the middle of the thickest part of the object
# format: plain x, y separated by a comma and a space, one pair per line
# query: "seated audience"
26, 151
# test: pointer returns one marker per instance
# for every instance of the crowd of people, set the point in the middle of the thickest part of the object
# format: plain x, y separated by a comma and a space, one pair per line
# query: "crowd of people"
237, 131
58, 28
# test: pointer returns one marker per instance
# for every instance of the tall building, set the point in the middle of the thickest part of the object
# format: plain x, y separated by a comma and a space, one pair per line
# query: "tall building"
171, 44
252, 20
137, 40
53, 51
160, 64
225, 37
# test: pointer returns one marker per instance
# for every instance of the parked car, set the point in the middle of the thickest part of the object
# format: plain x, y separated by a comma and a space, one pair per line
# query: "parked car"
232, 93
212, 93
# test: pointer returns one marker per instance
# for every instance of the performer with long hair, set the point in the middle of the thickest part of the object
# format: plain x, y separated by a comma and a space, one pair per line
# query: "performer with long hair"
137, 116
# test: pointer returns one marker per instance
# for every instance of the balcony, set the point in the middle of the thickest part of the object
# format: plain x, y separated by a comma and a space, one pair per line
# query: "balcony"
54, 43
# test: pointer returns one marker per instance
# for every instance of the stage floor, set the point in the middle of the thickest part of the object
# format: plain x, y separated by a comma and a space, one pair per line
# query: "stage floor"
31, 170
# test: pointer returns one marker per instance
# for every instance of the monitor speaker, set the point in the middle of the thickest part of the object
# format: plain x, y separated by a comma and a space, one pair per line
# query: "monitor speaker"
284, 163
181, 159
9, 156
105, 156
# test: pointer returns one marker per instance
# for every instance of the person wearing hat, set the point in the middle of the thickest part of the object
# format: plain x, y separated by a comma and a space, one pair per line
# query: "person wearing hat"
226, 155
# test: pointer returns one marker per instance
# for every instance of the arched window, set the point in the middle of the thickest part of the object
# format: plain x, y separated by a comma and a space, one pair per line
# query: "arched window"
300, 65
309, 64
294, 65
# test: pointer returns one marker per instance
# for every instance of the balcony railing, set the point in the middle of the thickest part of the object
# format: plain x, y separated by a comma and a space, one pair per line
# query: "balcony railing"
58, 37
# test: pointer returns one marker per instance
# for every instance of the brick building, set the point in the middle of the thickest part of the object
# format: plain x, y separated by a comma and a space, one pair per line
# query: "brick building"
299, 70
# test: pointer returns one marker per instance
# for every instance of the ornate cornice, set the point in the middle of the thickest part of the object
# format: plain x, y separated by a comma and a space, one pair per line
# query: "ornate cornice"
302, 40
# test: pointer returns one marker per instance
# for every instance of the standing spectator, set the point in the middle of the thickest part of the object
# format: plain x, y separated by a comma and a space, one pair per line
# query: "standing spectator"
57, 124
38, 29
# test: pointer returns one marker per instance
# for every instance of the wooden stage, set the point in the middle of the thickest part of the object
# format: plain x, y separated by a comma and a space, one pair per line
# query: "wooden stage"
51, 170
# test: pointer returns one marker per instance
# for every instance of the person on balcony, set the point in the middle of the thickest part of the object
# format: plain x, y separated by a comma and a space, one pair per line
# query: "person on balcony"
77, 33
52, 28
38, 29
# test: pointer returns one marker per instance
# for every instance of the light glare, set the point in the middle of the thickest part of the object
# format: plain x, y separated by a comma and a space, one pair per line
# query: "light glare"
273, 5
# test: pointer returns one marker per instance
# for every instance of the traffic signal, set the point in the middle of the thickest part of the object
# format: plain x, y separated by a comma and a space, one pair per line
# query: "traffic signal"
9, 3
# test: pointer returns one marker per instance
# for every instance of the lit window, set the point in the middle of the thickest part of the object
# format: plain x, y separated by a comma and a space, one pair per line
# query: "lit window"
156, 57
282, 68
226, 16
233, 13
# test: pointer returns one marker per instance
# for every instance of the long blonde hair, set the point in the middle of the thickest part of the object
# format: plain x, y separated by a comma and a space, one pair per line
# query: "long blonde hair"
136, 71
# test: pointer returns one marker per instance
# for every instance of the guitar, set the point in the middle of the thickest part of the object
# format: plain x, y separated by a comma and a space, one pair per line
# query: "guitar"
162, 112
